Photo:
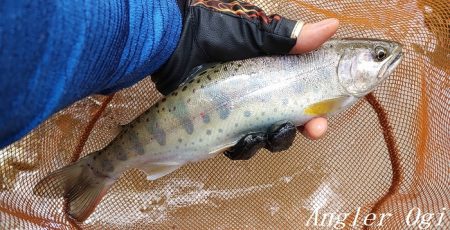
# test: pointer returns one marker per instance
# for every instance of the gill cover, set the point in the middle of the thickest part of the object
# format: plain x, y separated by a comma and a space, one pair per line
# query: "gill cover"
359, 71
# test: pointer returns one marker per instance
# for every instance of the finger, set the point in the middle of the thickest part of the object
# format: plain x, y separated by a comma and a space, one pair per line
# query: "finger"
313, 35
315, 128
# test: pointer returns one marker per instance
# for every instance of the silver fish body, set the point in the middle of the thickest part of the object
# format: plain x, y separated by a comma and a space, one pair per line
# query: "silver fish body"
222, 104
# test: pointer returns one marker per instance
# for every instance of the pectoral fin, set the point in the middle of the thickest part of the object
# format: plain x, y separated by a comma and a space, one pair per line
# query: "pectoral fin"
158, 170
328, 106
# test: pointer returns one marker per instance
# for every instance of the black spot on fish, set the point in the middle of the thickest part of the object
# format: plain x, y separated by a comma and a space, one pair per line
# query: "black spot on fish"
236, 125
188, 100
180, 140
121, 155
202, 73
224, 112
206, 118
169, 110
188, 126
198, 81
163, 109
191, 81
181, 112
163, 100
174, 93
220, 130
200, 140
216, 71
239, 65
157, 104
107, 166
193, 90
136, 144
208, 132
95, 157
225, 68
184, 88
147, 119
209, 78
202, 86
236, 69
263, 113
247, 113
157, 132
223, 100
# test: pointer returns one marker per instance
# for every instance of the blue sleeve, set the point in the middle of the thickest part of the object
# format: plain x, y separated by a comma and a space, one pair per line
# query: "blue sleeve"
53, 53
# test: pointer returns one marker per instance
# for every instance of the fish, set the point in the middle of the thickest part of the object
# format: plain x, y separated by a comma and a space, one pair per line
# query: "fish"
218, 106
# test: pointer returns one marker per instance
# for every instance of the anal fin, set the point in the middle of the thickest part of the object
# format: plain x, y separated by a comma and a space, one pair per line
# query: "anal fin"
158, 170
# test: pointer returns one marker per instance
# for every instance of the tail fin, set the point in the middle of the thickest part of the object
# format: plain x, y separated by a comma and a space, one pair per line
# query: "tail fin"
79, 185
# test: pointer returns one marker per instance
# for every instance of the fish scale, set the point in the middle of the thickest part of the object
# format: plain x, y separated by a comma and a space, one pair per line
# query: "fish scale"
210, 101
222, 104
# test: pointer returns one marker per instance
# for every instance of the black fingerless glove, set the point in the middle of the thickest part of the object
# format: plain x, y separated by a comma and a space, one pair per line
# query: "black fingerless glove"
223, 30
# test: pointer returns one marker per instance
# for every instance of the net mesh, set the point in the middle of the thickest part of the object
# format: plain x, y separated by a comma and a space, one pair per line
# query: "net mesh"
387, 154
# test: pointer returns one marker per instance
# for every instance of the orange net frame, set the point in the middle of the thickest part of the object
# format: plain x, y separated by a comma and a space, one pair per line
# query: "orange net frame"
387, 154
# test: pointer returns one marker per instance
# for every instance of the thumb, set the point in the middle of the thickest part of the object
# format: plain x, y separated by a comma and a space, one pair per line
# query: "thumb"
314, 35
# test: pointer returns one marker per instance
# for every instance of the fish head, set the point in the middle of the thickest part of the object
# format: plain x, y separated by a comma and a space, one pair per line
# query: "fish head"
365, 63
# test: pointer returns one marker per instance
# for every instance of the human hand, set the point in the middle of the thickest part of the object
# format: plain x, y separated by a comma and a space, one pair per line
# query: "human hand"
224, 30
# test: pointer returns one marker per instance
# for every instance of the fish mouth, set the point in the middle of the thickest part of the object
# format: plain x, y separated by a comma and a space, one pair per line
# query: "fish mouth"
397, 56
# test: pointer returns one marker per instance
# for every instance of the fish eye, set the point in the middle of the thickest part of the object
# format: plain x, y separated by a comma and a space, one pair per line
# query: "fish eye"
380, 53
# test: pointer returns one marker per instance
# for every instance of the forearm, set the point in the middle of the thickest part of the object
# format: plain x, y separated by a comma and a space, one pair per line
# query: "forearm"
54, 53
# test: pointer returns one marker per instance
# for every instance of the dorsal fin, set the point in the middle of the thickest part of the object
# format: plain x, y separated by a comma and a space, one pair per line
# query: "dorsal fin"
196, 70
